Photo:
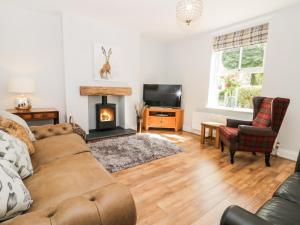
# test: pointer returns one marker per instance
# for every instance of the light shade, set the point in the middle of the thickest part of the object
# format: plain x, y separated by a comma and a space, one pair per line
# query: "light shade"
21, 85
188, 11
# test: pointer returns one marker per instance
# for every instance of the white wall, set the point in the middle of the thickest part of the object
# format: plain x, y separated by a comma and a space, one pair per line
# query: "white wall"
282, 74
188, 62
31, 45
153, 60
79, 36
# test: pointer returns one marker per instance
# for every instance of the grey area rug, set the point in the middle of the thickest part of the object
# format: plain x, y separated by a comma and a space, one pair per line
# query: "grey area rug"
124, 152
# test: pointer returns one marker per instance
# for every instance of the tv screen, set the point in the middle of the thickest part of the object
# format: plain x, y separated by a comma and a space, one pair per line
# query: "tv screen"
162, 95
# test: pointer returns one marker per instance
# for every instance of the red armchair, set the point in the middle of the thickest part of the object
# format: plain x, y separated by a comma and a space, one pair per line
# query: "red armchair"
258, 135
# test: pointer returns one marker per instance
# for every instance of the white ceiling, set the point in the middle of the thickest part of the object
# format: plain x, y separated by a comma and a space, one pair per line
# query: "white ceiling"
157, 17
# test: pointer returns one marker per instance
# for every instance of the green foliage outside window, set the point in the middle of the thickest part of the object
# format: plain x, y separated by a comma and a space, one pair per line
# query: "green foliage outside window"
253, 56
243, 76
231, 58
245, 95
257, 79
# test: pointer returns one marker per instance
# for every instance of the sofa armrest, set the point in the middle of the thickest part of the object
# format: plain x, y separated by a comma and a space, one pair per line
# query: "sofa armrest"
235, 123
258, 131
112, 204
235, 215
45, 131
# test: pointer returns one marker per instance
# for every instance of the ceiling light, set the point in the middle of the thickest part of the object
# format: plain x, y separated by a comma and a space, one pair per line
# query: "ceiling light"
189, 11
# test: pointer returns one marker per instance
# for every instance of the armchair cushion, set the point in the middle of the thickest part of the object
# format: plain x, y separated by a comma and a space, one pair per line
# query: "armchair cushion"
229, 133
264, 115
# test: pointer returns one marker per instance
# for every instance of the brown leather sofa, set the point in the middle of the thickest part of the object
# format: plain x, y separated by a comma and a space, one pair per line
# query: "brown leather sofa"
70, 187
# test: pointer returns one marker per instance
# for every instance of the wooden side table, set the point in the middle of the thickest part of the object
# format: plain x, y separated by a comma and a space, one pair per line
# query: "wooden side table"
211, 126
36, 114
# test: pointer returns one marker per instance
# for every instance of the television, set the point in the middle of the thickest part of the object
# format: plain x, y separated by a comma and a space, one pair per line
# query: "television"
162, 95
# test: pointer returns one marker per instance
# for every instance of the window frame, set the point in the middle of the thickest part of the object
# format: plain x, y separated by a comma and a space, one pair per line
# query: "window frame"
215, 71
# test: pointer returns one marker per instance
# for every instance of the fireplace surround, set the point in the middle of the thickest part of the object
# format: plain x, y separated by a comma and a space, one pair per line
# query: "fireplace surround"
105, 115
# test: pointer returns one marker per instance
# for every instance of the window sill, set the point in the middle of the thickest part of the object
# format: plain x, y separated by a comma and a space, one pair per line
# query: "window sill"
230, 109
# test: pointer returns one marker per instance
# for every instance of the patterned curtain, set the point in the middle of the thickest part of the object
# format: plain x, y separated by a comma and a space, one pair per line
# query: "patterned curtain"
249, 36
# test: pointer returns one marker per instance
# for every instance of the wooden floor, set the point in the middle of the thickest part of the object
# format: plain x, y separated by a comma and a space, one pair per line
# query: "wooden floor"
194, 187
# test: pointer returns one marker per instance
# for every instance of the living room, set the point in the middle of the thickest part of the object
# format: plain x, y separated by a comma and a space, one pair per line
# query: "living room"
149, 112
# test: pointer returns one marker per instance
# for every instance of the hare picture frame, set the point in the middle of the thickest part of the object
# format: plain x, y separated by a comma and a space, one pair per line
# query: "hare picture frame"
106, 62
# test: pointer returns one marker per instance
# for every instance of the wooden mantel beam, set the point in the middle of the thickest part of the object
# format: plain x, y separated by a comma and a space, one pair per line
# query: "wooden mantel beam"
100, 91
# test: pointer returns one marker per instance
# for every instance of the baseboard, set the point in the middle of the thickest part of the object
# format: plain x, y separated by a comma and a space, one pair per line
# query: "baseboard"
190, 130
287, 153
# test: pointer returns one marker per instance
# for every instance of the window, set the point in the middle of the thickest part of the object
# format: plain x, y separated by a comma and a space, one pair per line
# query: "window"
237, 71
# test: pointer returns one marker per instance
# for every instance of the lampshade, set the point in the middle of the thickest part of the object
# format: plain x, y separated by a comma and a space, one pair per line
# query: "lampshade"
21, 85
188, 11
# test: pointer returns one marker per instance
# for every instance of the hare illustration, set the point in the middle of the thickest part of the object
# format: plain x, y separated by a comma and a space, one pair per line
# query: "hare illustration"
106, 69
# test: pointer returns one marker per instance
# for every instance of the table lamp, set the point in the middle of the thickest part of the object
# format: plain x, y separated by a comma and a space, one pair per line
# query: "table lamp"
22, 86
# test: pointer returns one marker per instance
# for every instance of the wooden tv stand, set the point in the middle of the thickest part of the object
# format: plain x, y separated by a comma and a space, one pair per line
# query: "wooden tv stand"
158, 117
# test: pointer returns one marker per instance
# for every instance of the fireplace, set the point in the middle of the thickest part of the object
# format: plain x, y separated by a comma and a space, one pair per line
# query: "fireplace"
105, 115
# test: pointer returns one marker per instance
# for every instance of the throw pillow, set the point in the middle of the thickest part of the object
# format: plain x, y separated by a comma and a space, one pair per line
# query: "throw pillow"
18, 120
15, 198
17, 131
15, 151
263, 117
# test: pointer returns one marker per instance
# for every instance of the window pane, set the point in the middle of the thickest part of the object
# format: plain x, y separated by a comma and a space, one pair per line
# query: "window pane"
231, 58
228, 90
245, 95
253, 56
256, 79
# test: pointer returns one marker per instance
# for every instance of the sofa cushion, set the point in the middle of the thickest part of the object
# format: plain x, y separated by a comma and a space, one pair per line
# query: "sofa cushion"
18, 120
290, 189
15, 152
18, 131
280, 211
65, 178
56, 147
14, 196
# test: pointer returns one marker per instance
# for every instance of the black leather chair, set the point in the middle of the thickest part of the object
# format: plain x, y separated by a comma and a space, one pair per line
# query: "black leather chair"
282, 209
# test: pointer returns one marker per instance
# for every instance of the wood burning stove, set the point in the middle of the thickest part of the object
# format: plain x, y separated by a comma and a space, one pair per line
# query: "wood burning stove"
105, 115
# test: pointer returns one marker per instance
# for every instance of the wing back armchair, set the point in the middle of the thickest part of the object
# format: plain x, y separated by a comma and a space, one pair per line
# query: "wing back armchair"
258, 135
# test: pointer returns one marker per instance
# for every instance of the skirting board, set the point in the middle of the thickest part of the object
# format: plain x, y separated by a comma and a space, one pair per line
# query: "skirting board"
288, 154
284, 153
190, 130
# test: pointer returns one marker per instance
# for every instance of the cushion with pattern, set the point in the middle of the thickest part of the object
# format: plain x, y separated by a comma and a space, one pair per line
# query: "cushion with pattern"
18, 131
15, 198
15, 151
18, 120
263, 117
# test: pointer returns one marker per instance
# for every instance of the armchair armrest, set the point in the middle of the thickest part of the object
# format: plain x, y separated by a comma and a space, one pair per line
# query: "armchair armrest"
109, 205
45, 131
250, 130
235, 215
235, 123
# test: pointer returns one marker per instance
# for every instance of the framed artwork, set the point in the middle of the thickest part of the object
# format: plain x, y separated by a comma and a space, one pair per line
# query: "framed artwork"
106, 62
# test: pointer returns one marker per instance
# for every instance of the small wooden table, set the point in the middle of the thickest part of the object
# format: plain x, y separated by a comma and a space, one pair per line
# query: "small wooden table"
211, 126
36, 114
